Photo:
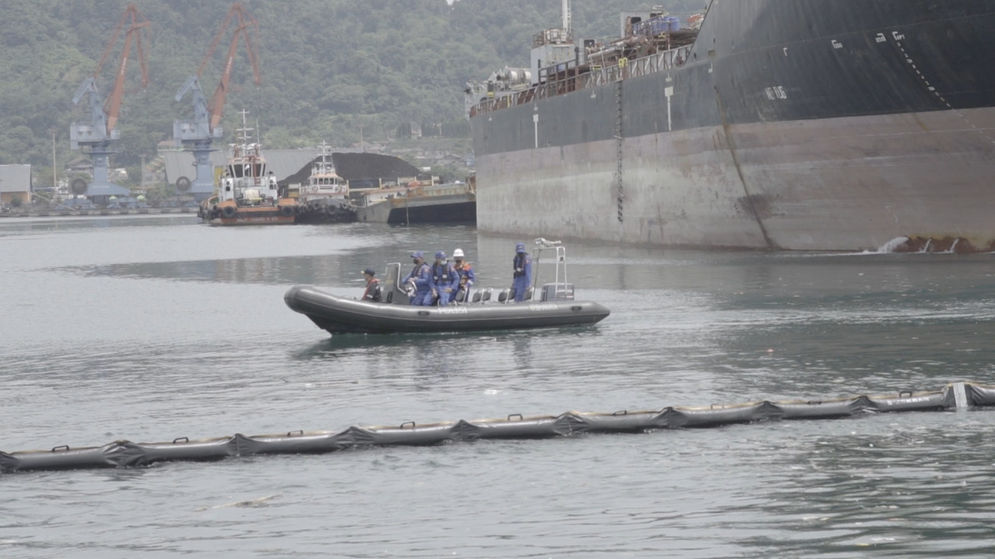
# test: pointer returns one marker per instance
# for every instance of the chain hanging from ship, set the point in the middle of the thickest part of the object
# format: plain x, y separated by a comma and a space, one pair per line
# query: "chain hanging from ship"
619, 149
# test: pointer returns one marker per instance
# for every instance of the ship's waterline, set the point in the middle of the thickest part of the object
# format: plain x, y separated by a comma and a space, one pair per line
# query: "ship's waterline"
834, 184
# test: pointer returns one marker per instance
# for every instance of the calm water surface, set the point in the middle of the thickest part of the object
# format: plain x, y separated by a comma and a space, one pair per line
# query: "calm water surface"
151, 328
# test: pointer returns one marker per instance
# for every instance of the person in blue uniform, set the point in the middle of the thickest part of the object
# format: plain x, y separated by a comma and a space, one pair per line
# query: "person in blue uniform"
373, 292
522, 277
420, 278
445, 279
466, 276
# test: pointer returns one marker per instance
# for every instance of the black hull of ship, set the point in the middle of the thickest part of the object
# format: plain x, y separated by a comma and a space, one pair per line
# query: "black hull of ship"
794, 124
459, 212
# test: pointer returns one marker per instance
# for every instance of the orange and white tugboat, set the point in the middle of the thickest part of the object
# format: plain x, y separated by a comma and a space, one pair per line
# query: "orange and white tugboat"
247, 194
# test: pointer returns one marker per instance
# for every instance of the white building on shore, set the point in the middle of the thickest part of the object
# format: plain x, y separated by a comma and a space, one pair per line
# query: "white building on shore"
15, 184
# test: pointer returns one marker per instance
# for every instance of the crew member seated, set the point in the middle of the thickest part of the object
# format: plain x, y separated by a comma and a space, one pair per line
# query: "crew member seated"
444, 279
419, 280
374, 292
466, 276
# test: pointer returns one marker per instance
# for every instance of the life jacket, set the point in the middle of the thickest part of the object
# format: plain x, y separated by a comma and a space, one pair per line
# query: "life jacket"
447, 269
372, 292
462, 270
520, 260
416, 272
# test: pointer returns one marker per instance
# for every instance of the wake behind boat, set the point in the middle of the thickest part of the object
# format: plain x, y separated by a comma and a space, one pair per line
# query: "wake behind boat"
487, 309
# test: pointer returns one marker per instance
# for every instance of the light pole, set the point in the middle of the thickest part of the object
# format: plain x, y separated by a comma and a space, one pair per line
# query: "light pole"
55, 169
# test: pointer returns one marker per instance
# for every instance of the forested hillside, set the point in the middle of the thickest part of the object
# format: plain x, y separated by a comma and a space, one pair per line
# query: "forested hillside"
329, 67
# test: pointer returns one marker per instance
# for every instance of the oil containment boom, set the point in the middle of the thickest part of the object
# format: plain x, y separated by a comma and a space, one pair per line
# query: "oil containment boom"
122, 453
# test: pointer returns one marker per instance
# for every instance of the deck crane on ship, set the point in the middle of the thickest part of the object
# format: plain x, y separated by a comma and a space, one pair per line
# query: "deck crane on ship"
100, 135
197, 135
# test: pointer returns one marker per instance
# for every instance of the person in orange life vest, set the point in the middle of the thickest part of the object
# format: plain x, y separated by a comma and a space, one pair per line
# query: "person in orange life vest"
466, 276
420, 278
445, 280
373, 293
522, 276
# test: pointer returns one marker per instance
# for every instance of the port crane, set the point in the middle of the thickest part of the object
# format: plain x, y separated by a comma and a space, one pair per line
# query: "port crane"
197, 135
101, 134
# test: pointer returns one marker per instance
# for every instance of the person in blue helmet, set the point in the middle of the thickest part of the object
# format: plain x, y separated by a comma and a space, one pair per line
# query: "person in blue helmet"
420, 279
445, 279
522, 277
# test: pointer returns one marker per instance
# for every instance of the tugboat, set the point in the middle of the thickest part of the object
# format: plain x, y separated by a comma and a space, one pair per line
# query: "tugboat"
554, 306
325, 196
247, 194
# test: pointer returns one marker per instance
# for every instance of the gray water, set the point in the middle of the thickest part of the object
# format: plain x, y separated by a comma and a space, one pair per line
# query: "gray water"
152, 328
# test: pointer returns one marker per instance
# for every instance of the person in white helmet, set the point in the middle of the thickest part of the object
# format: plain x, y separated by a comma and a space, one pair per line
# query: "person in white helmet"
466, 276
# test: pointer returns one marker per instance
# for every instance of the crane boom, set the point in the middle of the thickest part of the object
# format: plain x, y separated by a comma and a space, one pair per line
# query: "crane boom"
99, 136
112, 105
245, 26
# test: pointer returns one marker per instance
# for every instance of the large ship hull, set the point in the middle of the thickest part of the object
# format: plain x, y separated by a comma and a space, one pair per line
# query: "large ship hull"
793, 124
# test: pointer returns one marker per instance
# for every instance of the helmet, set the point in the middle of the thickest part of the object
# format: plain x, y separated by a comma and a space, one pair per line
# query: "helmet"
458, 253
520, 247
440, 255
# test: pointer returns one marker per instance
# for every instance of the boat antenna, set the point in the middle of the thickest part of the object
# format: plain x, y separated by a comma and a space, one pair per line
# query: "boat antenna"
567, 23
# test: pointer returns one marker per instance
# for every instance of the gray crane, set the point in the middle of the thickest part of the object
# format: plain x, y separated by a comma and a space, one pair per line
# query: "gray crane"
101, 134
197, 135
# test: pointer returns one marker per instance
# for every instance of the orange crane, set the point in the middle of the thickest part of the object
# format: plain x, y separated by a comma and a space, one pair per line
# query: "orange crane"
196, 135
102, 131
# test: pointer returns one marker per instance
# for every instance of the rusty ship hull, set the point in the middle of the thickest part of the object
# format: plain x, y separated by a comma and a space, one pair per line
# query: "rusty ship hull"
788, 124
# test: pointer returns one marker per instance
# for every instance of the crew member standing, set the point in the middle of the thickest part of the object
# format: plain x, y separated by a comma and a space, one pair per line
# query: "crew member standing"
445, 279
466, 276
420, 278
373, 292
522, 277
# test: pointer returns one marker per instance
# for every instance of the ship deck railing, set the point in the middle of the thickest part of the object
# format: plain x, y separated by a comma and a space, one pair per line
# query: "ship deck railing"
570, 77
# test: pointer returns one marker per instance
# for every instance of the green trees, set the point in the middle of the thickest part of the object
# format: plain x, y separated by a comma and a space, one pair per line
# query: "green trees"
329, 67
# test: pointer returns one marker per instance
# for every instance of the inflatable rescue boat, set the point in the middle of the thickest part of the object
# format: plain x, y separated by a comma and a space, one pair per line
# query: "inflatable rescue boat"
486, 309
